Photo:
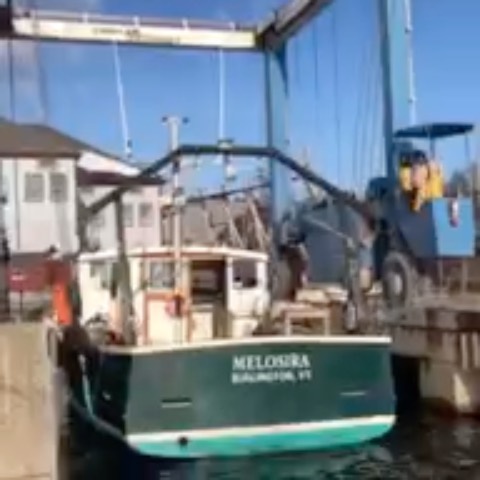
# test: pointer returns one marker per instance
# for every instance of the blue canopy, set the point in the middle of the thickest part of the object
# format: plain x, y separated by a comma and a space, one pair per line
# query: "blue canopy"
435, 130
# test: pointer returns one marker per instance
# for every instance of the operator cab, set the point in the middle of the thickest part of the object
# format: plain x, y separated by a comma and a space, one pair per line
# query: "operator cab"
420, 174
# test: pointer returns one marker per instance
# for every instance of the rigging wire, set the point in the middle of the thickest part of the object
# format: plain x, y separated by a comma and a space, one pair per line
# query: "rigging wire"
221, 94
369, 117
372, 89
372, 141
127, 139
41, 79
336, 93
316, 87
378, 167
364, 102
357, 121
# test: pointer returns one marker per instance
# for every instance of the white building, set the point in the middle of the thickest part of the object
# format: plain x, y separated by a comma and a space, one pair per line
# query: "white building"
97, 175
47, 175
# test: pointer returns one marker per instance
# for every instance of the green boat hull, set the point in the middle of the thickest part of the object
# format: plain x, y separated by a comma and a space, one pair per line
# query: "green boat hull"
244, 397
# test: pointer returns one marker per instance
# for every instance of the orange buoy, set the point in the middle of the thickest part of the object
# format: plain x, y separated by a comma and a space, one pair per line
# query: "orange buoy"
175, 305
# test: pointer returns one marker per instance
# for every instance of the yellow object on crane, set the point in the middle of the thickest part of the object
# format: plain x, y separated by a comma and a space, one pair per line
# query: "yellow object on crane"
435, 182
405, 178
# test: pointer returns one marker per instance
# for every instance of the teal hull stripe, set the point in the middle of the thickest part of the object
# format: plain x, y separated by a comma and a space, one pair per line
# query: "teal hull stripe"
261, 443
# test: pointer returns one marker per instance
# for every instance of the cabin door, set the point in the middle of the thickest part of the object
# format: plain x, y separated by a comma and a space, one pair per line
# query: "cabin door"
161, 325
247, 294
208, 313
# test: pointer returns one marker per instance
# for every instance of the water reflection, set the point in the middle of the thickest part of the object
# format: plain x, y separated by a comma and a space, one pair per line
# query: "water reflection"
420, 447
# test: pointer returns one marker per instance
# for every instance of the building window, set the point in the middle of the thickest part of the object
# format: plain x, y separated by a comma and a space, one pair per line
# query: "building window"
127, 215
58, 187
34, 188
4, 191
145, 214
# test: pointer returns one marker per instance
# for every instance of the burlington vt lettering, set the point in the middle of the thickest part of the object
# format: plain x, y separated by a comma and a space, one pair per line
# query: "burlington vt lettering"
290, 367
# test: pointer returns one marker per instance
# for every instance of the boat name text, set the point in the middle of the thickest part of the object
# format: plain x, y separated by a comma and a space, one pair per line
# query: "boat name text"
289, 367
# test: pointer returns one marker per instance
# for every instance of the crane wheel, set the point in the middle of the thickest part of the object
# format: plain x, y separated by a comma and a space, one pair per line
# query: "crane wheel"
398, 280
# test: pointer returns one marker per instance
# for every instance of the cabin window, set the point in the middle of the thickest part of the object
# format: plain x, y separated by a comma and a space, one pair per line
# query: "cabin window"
245, 274
207, 281
127, 215
102, 271
34, 187
145, 215
161, 275
58, 187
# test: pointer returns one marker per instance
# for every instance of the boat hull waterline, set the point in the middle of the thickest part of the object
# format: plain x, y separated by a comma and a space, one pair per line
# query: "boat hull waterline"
246, 396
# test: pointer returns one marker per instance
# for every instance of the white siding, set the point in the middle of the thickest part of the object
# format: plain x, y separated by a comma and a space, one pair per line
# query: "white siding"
135, 235
35, 226
97, 163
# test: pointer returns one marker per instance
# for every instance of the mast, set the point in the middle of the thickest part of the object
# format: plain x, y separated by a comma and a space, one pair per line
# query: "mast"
173, 124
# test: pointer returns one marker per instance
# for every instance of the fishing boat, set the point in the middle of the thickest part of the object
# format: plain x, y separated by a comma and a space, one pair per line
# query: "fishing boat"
200, 383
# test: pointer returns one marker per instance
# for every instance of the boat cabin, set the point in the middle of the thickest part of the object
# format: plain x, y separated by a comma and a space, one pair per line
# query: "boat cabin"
224, 292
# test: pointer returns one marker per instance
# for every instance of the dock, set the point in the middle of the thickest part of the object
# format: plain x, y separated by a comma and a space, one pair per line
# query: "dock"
29, 405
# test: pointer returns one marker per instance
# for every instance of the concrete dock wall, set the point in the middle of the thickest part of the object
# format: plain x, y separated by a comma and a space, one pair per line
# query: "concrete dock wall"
28, 419
445, 343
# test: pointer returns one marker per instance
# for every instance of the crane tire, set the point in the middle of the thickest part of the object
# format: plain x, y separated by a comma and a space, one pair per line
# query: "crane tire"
398, 280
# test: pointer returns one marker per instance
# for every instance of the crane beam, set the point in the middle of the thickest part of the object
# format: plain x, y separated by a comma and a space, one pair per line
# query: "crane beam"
289, 20
98, 29
270, 153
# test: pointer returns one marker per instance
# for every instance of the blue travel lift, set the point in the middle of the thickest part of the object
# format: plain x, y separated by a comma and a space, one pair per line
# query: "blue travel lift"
409, 243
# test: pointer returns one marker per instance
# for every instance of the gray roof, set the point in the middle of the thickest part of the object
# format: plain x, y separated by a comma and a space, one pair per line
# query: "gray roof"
35, 140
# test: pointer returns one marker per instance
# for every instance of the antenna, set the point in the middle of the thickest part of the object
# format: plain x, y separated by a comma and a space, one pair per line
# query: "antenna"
173, 124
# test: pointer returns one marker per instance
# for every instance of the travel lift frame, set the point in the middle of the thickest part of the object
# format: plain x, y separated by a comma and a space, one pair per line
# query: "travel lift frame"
401, 259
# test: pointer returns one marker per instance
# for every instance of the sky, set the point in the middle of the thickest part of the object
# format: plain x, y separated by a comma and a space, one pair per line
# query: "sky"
335, 91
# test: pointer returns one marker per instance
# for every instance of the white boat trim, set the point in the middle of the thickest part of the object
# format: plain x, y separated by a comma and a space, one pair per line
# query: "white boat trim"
238, 432
261, 340
193, 250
